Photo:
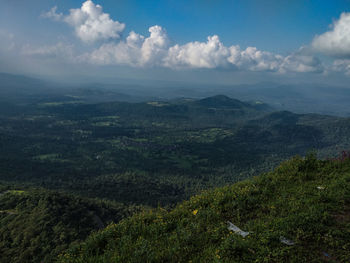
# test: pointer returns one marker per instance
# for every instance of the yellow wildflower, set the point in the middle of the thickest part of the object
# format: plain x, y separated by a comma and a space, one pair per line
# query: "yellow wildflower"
194, 212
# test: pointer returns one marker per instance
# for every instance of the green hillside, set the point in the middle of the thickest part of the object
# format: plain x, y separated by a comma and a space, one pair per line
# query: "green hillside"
37, 225
304, 202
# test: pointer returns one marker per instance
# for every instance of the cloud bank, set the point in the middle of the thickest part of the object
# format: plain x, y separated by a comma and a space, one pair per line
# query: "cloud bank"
155, 50
91, 25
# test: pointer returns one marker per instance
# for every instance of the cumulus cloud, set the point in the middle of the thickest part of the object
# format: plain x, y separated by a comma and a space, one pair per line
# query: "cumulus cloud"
335, 42
302, 61
255, 60
210, 54
137, 50
155, 50
89, 22
302, 64
155, 46
213, 54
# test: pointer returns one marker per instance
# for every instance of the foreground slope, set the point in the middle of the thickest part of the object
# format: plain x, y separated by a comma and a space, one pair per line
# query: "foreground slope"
37, 225
306, 201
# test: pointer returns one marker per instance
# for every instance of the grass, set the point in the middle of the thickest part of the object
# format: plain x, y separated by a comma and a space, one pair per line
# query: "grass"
304, 200
15, 192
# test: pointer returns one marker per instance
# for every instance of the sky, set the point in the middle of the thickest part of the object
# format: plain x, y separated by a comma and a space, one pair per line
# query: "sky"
201, 41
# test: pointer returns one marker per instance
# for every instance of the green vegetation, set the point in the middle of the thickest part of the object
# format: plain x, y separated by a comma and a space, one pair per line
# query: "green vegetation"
304, 200
155, 152
37, 225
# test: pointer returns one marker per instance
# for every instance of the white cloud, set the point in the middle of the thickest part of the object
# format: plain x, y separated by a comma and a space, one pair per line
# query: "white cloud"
135, 51
213, 54
52, 14
210, 54
302, 64
302, 61
255, 60
155, 46
155, 50
342, 65
335, 42
90, 22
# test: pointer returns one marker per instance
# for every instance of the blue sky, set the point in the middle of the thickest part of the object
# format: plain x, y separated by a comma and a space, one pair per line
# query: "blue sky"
292, 39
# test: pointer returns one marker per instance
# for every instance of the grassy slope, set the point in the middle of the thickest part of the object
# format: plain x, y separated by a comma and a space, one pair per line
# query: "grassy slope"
285, 202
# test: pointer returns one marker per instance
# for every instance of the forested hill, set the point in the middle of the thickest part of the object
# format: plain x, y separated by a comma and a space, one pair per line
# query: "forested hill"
37, 225
300, 212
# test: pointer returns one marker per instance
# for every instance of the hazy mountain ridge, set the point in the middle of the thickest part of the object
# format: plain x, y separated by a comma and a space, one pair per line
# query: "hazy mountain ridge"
300, 98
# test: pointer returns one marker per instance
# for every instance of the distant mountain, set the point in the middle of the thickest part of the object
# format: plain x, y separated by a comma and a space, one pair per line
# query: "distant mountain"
22, 82
222, 101
299, 98
302, 98
22, 90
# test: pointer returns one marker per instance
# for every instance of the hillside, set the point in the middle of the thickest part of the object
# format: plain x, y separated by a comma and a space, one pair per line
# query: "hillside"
37, 225
300, 212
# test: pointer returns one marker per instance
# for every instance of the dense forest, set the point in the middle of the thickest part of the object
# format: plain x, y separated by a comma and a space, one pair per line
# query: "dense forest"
155, 152
36, 224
